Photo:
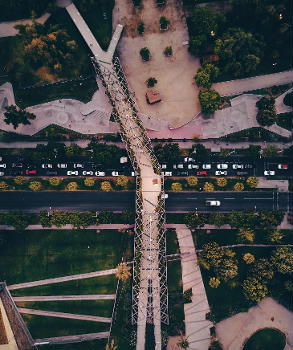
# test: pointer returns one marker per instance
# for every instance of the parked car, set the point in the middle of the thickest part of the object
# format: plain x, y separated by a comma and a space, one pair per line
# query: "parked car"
99, 173
201, 173
115, 173
188, 159
164, 166
283, 166
213, 203
31, 172
2, 165
78, 165
222, 166
182, 173
193, 166
166, 173
62, 166
51, 172
269, 172
72, 172
178, 166
219, 172
1, 173
47, 166
123, 160
16, 165
237, 166
206, 166
85, 172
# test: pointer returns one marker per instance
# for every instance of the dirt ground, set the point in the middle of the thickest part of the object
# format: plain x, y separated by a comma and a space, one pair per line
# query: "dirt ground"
174, 74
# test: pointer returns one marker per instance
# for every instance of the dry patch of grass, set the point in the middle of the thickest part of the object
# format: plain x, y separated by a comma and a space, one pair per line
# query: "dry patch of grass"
45, 75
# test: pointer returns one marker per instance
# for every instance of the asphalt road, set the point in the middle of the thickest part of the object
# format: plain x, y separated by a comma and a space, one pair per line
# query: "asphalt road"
117, 201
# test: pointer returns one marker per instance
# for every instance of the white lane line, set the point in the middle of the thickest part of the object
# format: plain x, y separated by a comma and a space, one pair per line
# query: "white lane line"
191, 198
230, 198
259, 198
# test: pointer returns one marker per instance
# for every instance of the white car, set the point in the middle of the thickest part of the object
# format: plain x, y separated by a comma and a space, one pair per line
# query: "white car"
164, 166
99, 173
206, 166
87, 173
70, 172
166, 173
193, 166
222, 166
115, 173
178, 166
269, 172
165, 195
134, 173
188, 159
2, 165
62, 166
123, 160
237, 166
47, 166
1, 173
219, 172
78, 165
213, 203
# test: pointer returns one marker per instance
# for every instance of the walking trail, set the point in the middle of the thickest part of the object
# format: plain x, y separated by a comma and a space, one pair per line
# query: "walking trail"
61, 279
23, 310
197, 328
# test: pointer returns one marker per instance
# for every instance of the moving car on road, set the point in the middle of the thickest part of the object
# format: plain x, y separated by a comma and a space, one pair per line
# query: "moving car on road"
2, 165
16, 165
166, 173
51, 172
178, 166
269, 172
193, 166
283, 166
47, 166
31, 172
85, 172
201, 173
115, 173
78, 165
222, 166
219, 172
99, 173
72, 172
206, 166
212, 203
237, 166
62, 166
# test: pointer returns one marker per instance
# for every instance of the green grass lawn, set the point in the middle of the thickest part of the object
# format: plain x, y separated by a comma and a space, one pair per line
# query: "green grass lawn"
266, 339
171, 242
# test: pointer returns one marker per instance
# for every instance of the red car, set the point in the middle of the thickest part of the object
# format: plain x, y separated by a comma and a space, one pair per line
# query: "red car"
201, 172
31, 172
283, 166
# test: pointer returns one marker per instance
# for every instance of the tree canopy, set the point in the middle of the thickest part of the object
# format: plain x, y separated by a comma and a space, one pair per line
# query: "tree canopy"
209, 101
16, 116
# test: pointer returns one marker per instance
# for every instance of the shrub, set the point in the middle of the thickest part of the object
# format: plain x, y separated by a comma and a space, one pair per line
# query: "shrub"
275, 237
238, 186
145, 54
176, 187
3, 186
252, 181
187, 295
262, 269
72, 186
254, 289
248, 258
89, 181
122, 181
35, 185
168, 51
140, 28
227, 269
282, 258
214, 282
192, 181
123, 272
19, 180
245, 235
55, 181
209, 101
106, 186
163, 22
221, 182
208, 187
151, 82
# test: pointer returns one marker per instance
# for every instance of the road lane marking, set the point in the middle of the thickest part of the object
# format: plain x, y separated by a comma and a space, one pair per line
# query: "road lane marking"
259, 198
230, 198
191, 198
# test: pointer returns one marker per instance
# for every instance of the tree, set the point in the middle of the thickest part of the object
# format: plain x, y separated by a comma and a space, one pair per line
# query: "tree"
209, 101
163, 22
236, 218
217, 219
269, 219
214, 282
245, 235
194, 220
254, 289
140, 28
250, 63
211, 254
106, 217
16, 116
169, 153
106, 186
3, 186
200, 153
89, 181
123, 272
59, 218
72, 186
176, 186
248, 258
208, 187
128, 216
111, 345
270, 151
44, 219
252, 152
282, 259
206, 75
145, 54
192, 181
221, 182
238, 186
122, 181
215, 345
252, 181
227, 269
266, 117
262, 269
73, 150
275, 237
19, 180
18, 219
80, 220
35, 186
168, 51
151, 82
55, 181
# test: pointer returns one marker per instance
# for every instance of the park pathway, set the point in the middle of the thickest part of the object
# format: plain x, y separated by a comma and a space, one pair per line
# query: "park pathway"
61, 279
65, 297
234, 87
23, 310
72, 338
197, 328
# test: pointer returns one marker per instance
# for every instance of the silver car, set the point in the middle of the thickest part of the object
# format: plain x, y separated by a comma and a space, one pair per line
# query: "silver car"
72, 172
